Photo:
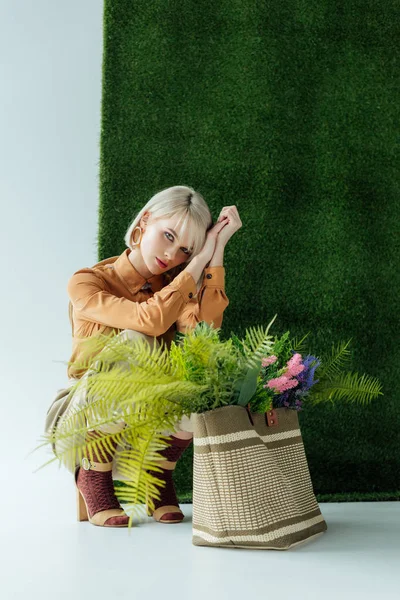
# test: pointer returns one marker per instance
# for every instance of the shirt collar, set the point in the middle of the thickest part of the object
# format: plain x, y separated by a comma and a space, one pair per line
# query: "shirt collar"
133, 280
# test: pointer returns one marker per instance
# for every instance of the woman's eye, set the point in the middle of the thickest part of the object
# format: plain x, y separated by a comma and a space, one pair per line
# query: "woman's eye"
167, 233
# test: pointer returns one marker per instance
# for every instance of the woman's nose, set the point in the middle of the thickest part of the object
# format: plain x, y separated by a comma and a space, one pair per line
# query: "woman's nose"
170, 255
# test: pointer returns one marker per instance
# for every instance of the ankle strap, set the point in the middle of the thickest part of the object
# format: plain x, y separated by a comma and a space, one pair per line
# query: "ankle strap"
90, 465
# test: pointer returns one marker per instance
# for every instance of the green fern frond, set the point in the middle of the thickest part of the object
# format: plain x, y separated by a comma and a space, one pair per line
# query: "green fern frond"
148, 390
350, 387
298, 346
332, 364
141, 427
110, 407
140, 455
257, 339
281, 348
89, 348
118, 388
238, 343
135, 354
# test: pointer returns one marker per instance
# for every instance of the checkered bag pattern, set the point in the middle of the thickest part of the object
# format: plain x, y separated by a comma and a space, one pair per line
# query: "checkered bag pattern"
251, 482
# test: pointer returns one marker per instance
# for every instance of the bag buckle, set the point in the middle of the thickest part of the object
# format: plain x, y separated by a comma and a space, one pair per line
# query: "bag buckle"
85, 463
272, 418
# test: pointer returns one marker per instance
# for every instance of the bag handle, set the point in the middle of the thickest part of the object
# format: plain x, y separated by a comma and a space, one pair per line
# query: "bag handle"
249, 413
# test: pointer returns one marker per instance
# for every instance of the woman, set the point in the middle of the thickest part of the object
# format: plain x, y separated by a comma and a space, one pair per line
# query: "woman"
170, 277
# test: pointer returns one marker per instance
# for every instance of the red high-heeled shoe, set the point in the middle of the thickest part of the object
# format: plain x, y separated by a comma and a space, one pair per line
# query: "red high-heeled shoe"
167, 508
96, 500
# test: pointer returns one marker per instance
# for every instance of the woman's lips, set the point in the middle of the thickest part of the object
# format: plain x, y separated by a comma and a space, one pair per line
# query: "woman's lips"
160, 263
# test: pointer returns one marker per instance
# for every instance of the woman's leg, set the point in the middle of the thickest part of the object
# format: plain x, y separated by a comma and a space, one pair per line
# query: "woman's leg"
183, 435
184, 427
166, 508
126, 334
184, 430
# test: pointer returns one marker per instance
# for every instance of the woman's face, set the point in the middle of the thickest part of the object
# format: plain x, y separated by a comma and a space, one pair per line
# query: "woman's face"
161, 240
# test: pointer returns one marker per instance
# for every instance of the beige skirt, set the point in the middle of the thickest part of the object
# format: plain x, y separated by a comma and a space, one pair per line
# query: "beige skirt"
67, 401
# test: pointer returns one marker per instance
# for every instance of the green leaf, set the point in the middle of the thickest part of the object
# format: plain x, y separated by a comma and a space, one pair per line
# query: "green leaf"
350, 387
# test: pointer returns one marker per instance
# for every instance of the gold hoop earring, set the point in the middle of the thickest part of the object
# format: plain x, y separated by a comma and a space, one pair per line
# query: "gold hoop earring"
137, 243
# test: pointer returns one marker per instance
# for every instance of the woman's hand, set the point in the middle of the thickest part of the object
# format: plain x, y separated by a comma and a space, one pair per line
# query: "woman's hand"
230, 216
213, 234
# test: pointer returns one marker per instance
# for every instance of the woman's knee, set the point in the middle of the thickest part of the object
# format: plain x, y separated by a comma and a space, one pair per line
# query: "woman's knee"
131, 334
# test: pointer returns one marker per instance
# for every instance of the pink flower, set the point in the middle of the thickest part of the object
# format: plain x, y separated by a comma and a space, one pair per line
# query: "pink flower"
282, 383
294, 366
268, 360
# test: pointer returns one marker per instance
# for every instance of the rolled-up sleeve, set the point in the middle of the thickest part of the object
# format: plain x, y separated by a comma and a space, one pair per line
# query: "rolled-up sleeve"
209, 305
92, 301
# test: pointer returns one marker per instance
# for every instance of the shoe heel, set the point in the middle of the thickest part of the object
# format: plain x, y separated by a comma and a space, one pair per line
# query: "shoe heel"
81, 510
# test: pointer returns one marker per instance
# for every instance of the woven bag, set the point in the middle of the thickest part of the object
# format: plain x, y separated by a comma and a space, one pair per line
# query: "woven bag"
251, 482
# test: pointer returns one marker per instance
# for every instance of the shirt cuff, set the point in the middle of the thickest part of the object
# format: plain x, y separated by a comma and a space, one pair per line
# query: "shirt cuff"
214, 277
185, 284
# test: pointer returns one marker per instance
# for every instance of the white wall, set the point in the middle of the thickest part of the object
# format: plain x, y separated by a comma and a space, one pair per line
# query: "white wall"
50, 100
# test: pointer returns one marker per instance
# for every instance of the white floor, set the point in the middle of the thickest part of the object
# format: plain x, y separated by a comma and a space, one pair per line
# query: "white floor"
46, 553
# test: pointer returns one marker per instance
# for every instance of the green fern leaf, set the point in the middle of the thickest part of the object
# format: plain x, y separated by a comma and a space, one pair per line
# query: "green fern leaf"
350, 387
298, 346
332, 364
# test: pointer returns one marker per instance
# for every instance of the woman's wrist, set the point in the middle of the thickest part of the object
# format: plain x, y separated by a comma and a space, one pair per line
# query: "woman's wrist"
199, 263
218, 257
196, 267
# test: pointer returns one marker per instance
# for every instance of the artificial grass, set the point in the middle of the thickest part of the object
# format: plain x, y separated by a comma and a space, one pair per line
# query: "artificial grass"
290, 111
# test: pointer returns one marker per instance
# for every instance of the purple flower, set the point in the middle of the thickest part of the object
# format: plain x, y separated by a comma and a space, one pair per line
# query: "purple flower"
294, 398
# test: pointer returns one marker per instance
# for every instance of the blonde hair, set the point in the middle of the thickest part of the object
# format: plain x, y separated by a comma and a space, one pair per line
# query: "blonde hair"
192, 209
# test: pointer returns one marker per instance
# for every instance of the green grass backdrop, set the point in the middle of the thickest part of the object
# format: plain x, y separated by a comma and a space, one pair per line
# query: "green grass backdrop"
288, 109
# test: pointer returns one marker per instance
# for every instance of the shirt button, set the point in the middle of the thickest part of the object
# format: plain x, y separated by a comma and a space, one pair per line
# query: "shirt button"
208, 275
190, 294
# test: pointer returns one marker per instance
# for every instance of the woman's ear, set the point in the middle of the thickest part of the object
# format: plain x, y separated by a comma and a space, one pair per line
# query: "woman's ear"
145, 218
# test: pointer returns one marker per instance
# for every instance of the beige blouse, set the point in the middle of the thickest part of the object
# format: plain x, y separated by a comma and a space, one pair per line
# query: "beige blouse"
112, 295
